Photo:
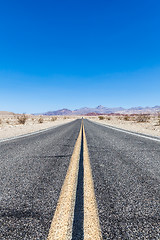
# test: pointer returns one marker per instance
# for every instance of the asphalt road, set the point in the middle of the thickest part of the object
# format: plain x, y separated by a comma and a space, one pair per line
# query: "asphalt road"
32, 171
126, 174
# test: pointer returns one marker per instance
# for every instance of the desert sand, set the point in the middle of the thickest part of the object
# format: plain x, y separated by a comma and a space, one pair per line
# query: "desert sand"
10, 127
150, 127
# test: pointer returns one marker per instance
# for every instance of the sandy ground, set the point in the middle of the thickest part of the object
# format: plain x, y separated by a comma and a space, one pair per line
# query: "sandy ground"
9, 126
151, 127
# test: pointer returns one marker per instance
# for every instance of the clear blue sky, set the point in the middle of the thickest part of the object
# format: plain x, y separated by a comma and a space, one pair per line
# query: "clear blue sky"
71, 54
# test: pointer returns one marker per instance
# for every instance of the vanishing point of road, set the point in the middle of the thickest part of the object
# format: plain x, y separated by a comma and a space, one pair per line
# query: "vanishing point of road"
80, 180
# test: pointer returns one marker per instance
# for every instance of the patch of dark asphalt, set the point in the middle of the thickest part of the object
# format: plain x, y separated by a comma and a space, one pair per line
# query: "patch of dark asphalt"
126, 174
32, 171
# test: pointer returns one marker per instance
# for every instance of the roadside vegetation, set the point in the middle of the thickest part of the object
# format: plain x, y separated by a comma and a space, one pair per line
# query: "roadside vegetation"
127, 118
101, 117
158, 119
26, 119
108, 118
53, 119
22, 119
143, 118
134, 118
40, 120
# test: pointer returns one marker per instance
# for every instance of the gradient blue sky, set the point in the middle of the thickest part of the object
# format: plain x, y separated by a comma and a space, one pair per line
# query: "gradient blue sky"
71, 54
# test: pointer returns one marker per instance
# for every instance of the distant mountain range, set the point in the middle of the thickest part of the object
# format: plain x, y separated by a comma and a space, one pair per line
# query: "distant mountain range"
104, 110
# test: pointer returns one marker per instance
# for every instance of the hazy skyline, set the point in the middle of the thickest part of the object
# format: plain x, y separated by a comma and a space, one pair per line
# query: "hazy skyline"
71, 54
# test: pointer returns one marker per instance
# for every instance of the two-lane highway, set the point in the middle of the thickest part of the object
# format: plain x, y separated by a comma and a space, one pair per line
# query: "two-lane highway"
96, 181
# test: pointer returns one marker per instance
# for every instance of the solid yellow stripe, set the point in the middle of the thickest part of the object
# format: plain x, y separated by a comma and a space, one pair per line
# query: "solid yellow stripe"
91, 220
61, 226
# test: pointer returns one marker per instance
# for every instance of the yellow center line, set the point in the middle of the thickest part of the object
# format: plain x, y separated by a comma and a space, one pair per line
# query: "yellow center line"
61, 226
91, 220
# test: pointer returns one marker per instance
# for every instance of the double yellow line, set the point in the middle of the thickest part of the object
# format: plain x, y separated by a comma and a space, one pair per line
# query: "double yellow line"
61, 226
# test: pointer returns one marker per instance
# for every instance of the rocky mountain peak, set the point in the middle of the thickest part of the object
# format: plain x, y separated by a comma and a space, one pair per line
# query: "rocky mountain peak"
100, 107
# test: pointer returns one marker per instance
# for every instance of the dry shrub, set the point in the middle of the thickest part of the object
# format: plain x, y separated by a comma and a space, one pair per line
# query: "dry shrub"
7, 122
53, 119
158, 119
101, 117
127, 118
120, 117
40, 120
108, 118
22, 119
143, 118
0, 121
